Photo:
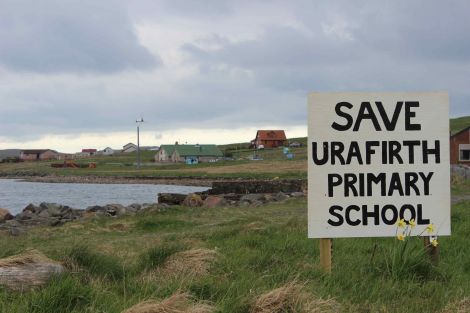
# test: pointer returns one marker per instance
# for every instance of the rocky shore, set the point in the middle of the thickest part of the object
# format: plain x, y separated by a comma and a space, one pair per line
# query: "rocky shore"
53, 214
222, 194
183, 181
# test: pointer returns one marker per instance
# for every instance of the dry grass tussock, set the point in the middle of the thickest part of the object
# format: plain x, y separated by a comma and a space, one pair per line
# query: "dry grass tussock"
177, 303
292, 298
462, 306
195, 262
31, 256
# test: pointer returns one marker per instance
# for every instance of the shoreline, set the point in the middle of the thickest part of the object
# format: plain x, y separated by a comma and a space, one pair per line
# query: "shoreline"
184, 181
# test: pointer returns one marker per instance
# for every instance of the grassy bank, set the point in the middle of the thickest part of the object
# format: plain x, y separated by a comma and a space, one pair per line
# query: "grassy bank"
243, 253
274, 164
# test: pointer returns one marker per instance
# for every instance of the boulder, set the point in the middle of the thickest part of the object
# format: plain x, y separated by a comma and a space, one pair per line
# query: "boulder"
32, 208
133, 208
280, 196
5, 215
193, 200
214, 201
297, 194
54, 209
114, 209
252, 197
171, 198
27, 270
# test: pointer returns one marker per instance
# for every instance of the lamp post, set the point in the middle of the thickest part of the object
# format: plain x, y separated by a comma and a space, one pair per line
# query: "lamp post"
138, 141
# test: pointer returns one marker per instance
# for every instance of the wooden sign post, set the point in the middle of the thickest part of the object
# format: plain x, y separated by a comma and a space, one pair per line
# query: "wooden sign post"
326, 252
375, 159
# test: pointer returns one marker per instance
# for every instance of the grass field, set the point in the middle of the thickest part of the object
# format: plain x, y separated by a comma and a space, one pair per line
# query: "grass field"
274, 164
244, 253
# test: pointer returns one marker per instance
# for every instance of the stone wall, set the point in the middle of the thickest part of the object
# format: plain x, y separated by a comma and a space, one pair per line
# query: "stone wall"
258, 186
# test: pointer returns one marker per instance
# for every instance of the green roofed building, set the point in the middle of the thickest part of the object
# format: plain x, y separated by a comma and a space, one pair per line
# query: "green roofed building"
189, 154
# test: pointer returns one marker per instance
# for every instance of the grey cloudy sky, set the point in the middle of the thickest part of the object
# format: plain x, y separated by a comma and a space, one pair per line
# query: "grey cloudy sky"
78, 73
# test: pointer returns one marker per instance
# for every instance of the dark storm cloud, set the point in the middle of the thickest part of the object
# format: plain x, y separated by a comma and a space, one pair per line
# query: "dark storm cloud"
69, 36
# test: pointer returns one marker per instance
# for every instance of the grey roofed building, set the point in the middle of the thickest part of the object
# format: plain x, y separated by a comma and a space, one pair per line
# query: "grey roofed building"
9, 153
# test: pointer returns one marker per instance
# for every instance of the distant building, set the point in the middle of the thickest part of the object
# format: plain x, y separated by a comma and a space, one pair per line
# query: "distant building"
269, 139
108, 151
150, 148
295, 144
38, 155
12, 154
130, 147
189, 154
88, 152
460, 147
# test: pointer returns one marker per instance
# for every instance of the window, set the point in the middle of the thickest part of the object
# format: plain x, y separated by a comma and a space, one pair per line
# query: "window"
464, 152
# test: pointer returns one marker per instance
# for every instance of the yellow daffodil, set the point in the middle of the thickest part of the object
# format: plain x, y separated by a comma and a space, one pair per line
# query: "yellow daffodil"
430, 228
434, 242
412, 223
401, 223
401, 237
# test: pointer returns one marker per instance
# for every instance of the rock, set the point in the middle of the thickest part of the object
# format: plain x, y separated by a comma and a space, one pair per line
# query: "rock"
297, 194
31, 208
23, 216
15, 231
94, 208
280, 196
5, 215
258, 186
193, 200
114, 209
44, 214
252, 197
214, 201
133, 208
27, 270
171, 198
54, 209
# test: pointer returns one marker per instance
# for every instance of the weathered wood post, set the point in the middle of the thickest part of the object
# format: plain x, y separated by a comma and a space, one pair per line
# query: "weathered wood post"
326, 245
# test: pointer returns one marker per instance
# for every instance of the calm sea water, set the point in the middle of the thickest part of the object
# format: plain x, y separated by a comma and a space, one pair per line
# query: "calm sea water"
16, 195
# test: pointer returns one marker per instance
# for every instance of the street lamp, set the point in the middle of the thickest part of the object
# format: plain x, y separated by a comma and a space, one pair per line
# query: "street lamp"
138, 141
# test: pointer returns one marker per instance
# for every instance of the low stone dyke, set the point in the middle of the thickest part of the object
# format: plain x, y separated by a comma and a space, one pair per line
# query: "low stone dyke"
258, 186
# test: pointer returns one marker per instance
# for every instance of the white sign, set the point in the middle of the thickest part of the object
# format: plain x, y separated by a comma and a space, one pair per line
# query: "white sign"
377, 158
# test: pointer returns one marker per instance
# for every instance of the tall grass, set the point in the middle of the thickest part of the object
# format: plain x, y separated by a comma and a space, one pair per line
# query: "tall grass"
259, 250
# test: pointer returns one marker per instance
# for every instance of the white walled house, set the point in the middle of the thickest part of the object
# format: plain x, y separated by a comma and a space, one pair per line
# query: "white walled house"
130, 147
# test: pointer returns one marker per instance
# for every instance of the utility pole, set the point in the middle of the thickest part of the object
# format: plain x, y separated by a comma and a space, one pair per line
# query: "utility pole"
138, 141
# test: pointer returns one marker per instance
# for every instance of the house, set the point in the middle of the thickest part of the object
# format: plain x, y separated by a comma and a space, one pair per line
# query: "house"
38, 155
108, 151
88, 152
460, 147
130, 147
269, 139
189, 154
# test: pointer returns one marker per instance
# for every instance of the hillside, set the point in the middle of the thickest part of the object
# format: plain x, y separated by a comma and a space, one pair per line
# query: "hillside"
459, 123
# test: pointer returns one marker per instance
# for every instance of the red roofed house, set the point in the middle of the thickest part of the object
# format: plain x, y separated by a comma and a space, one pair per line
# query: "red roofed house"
89, 152
460, 147
269, 139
